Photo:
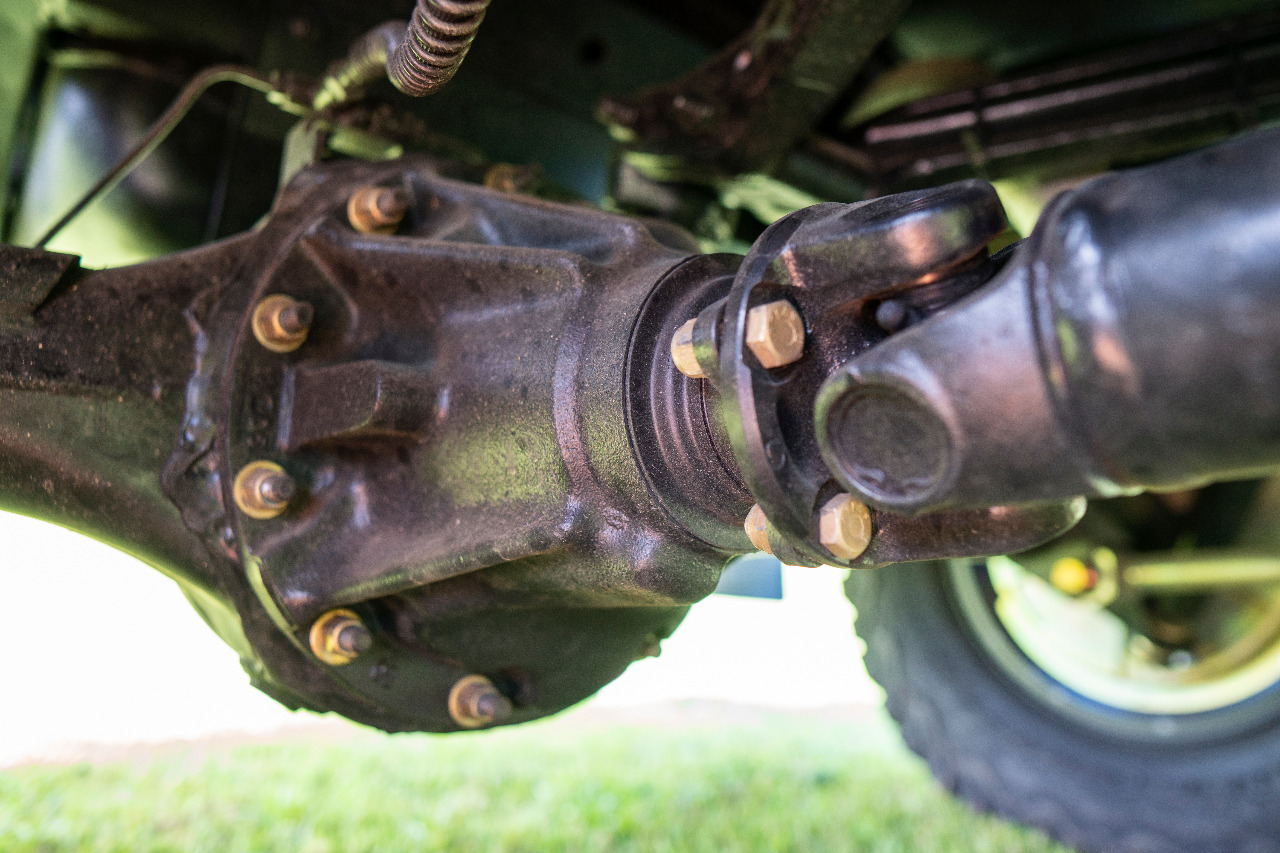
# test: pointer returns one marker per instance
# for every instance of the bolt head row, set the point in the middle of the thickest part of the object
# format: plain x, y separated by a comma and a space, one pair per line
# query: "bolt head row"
775, 335
844, 527
262, 489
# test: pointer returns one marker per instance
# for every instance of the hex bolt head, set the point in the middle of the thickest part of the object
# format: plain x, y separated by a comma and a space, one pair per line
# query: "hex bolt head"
844, 527
339, 637
474, 702
775, 333
682, 351
377, 210
263, 490
757, 527
282, 323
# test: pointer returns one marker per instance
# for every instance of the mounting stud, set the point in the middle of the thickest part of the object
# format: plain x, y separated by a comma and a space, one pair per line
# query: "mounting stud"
775, 333
682, 351
282, 323
377, 210
263, 490
844, 527
757, 527
339, 637
475, 702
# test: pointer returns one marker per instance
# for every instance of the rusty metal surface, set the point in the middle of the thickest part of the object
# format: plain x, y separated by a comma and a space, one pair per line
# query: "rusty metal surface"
474, 496
755, 98
1124, 106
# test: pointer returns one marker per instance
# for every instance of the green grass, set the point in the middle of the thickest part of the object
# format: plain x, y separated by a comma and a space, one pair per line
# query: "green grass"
759, 782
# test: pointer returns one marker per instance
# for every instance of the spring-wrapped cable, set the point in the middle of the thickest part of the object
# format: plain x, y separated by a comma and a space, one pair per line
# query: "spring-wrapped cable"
418, 57
438, 38
367, 61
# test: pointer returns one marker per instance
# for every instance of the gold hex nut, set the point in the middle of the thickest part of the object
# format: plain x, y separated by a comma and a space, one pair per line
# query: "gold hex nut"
844, 527
263, 490
339, 637
757, 527
775, 333
377, 210
282, 323
1072, 576
474, 702
682, 352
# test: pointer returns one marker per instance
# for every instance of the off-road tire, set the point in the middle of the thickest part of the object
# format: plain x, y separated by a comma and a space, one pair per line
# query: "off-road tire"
1005, 751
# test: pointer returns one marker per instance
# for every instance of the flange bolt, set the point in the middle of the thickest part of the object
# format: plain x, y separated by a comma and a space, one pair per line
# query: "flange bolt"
475, 702
263, 490
282, 323
339, 637
682, 352
377, 210
844, 527
757, 527
775, 333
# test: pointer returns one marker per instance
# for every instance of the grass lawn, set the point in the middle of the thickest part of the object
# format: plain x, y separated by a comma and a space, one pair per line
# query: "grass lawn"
691, 782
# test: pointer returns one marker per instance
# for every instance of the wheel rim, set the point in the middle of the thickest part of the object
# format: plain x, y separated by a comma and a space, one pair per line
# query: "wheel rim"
1031, 631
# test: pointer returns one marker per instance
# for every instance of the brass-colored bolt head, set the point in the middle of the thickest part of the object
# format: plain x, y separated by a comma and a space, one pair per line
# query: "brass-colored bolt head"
844, 527
1073, 576
282, 323
339, 637
263, 490
757, 527
775, 333
377, 210
475, 702
682, 352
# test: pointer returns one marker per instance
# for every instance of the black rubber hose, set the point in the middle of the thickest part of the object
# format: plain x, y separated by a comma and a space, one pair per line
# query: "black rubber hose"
418, 57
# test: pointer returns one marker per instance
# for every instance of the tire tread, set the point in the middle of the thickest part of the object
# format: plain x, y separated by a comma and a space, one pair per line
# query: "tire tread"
1007, 775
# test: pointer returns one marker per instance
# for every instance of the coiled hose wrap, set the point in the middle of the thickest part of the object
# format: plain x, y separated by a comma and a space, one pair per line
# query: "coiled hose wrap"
437, 40
418, 58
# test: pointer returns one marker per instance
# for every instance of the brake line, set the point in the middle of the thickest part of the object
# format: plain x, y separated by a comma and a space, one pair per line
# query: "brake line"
163, 126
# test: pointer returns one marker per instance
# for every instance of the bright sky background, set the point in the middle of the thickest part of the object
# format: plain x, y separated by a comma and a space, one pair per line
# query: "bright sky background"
166, 676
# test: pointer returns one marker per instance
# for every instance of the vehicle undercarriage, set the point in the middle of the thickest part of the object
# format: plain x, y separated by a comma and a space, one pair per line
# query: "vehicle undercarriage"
444, 388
